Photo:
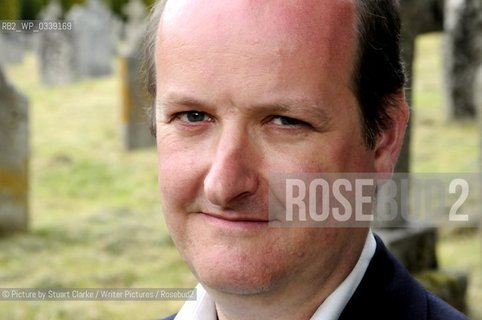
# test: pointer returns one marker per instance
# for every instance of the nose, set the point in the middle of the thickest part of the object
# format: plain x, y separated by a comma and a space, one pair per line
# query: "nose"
233, 169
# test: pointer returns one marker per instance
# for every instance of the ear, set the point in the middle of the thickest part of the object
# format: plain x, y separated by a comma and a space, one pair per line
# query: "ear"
390, 140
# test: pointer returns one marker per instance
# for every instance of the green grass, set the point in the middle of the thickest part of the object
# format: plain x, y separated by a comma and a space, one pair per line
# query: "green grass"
95, 214
438, 145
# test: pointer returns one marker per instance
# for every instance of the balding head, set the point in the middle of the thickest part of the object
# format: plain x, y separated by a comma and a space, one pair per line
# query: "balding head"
377, 75
250, 38
259, 21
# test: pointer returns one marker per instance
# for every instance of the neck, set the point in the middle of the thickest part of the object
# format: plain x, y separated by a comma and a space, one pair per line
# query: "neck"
301, 307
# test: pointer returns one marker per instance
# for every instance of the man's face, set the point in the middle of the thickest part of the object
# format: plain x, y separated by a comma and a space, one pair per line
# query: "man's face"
245, 89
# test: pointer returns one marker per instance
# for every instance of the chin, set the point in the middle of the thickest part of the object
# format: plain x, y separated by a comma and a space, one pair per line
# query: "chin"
249, 287
235, 276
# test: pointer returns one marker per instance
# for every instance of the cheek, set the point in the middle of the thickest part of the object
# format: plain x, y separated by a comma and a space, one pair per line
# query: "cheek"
179, 173
176, 188
348, 152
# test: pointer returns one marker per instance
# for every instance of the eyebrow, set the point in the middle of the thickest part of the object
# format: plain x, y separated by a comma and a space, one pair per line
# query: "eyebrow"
285, 106
299, 107
179, 99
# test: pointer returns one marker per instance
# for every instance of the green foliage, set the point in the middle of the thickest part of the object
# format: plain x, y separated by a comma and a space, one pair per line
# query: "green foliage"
10, 10
149, 3
449, 286
117, 6
67, 4
30, 9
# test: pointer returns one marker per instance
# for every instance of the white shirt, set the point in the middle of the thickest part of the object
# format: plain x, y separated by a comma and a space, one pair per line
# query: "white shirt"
203, 308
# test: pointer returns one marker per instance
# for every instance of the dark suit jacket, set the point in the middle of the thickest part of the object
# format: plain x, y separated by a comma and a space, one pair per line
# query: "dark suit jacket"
388, 292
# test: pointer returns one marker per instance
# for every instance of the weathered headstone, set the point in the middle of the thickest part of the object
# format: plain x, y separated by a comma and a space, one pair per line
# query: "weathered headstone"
463, 26
55, 50
477, 88
135, 133
92, 39
418, 17
12, 47
449, 285
135, 100
478, 104
414, 247
117, 34
14, 159
3, 60
136, 14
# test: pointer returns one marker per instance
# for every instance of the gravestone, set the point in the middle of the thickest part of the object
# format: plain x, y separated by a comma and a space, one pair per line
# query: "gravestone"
135, 99
478, 104
418, 17
136, 14
12, 48
92, 40
135, 131
55, 50
117, 34
463, 37
3, 59
14, 159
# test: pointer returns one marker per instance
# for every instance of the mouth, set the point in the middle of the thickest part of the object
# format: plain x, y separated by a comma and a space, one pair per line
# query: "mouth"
234, 221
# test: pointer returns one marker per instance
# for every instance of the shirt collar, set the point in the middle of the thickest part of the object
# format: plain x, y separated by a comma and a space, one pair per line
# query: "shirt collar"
203, 308
334, 304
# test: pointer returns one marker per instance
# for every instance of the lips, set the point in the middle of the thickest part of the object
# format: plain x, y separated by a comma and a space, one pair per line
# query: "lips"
236, 218
235, 223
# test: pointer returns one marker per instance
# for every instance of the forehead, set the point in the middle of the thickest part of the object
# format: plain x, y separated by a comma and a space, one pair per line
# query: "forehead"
290, 15
326, 26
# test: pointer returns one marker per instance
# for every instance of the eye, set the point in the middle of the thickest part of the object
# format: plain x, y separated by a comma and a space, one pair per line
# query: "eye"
287, 121
193, 116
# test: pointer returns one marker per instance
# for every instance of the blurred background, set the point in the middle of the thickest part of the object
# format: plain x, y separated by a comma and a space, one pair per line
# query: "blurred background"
79, 205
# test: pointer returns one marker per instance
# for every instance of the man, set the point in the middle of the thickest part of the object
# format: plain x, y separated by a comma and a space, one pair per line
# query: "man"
246, 88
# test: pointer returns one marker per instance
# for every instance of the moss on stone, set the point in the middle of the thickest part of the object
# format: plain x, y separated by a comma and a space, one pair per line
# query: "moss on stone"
449, 286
